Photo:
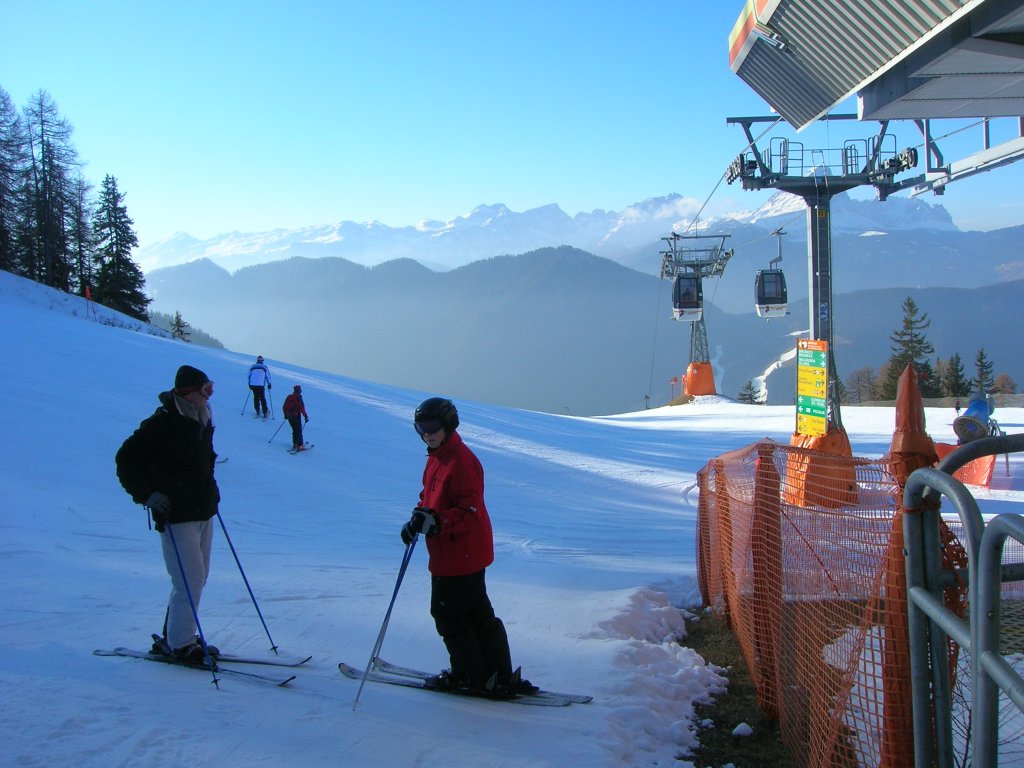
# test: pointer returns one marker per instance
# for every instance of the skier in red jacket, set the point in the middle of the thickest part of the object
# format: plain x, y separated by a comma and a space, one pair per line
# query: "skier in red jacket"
293, 408
453, 517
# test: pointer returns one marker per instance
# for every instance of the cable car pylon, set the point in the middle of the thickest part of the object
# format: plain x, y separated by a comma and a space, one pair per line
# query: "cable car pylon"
689, 260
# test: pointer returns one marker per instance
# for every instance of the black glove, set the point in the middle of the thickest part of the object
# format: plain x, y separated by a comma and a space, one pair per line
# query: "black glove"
160, 508
269, 385
307, 419
423, 521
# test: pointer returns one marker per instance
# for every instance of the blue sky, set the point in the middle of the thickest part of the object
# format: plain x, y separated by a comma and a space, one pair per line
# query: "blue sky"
225, 116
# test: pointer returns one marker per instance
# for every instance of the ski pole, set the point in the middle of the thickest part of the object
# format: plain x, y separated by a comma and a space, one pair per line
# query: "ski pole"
192, 605
270, 396
387, 617
259, 613
245, 403
275, 432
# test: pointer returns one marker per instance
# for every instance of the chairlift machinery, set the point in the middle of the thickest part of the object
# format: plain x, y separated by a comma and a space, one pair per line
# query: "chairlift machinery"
770, 295
688, 261
817, 176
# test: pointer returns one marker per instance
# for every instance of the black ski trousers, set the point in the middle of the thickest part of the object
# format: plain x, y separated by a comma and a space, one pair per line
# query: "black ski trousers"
296, 424
259, 399
475, 638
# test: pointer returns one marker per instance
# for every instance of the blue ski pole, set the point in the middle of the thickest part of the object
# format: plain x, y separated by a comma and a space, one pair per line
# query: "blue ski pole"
387, 617
259, 613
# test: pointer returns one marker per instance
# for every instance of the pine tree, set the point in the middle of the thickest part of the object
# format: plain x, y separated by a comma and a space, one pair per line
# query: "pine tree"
80, 239
910, 347
12, 170
748, 394
52, 160
179, 328
982, 381
119, 280
954, 382
195, 335
26, 245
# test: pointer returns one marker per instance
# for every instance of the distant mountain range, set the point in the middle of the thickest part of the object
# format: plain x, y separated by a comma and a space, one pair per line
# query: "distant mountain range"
902, 241
488, 230
549, 312
566, 331
625, 236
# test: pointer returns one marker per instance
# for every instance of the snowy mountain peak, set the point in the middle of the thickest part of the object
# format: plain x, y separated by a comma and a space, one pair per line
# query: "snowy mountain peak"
495, 229
483, 214
896, 214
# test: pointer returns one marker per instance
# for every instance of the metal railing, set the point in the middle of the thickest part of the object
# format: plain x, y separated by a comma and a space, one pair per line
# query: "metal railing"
931, 623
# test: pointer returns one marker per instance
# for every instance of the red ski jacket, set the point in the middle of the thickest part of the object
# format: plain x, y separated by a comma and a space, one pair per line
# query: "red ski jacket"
293, 406
453, 486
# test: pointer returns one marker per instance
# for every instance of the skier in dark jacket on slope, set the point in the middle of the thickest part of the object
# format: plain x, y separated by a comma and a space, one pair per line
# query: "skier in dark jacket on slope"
453, 517
167, 465
293, 408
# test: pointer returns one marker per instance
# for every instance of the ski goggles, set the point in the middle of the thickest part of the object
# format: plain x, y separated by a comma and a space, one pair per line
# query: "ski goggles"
206, 390
424, 428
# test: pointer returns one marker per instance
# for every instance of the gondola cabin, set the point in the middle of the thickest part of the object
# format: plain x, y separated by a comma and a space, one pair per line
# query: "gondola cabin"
770, 293
688, 298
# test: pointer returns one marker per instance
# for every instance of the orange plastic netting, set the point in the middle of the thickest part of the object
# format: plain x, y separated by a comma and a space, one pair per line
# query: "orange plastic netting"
815, 596
801, 549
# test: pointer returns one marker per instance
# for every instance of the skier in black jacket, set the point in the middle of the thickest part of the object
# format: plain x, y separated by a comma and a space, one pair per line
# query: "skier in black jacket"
167, 465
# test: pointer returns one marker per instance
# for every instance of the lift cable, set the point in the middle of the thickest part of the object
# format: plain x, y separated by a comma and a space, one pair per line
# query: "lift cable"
654, 343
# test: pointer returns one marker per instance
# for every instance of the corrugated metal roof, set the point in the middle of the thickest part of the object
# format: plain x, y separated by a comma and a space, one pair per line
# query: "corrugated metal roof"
804, 57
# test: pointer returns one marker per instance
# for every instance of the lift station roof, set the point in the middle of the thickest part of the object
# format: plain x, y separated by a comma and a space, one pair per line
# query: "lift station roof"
905, 59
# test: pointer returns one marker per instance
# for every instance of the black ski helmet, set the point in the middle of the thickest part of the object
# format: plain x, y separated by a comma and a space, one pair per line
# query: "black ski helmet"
438, 409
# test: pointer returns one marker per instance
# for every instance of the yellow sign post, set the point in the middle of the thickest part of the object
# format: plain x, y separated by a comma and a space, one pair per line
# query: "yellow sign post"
811, 386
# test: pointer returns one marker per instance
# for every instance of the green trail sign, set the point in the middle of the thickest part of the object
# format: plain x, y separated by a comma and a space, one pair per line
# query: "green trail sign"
811, 386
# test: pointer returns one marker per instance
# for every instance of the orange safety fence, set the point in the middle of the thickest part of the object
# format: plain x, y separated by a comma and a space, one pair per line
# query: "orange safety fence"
807, 571
976, 472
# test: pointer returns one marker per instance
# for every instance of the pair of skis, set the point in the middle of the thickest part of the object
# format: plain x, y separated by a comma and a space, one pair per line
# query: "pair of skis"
393, 674
381, 672
219, 669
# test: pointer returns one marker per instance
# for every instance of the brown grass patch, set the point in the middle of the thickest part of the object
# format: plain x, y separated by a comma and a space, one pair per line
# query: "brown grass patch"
712, 639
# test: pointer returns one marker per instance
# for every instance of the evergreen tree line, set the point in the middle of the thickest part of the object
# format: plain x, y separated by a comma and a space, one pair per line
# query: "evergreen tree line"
53, 228
910, 346
180, 329
946, 378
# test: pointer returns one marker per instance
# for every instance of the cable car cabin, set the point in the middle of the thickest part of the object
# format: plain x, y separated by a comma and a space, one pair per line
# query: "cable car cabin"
687, 298
770, 290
